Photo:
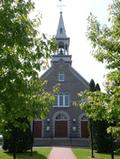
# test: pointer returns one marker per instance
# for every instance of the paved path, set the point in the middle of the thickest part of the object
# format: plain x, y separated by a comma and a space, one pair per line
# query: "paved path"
61, 153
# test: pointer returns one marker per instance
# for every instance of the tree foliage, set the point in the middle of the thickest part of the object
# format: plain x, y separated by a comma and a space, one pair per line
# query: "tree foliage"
92, 86
99, 128
23, 53
106, 49
23, 137
102, 140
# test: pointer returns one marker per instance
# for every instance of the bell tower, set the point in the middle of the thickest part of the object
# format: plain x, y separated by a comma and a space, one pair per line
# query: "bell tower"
61, 37
63, 42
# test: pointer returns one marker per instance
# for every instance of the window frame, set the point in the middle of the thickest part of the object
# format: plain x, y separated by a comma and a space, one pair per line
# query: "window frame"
68, 100
61, 77
63, 100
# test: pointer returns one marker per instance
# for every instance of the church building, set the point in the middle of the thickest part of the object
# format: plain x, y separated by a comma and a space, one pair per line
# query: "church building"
66, 123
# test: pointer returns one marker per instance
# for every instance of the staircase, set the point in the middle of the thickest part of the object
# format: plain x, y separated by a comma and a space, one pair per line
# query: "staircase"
78, 142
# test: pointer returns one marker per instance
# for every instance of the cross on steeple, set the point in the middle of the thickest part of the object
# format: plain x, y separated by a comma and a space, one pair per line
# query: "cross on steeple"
61, 5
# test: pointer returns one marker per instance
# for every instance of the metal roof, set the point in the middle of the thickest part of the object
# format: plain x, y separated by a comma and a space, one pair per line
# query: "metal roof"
61, 32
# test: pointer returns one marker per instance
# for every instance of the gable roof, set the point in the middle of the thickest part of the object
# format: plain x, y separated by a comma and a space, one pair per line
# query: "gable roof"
73, 71
79, 77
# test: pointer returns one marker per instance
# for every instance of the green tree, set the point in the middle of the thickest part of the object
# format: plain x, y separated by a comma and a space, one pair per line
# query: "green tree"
23, 137
23, 53
98, 129
100, 132
92, 86
97, 87
106, 48
105, 41
102, 140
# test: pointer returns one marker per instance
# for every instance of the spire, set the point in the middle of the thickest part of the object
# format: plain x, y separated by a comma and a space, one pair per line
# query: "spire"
61, 32
62, 42
61, 37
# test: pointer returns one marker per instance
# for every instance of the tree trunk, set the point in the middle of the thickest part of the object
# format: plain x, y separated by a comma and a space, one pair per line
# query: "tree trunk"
91, 137
112, 155
112, 151
14, 155
32, 138
14, 143
31, 144
14, 152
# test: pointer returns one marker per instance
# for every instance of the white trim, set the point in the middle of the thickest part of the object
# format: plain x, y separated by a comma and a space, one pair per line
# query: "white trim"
61, 77
58, 100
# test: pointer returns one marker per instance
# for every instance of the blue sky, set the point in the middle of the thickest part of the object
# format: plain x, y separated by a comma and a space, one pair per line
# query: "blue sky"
75, 15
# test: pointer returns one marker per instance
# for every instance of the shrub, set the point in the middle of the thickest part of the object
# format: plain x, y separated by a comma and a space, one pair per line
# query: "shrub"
102, 140
18, 139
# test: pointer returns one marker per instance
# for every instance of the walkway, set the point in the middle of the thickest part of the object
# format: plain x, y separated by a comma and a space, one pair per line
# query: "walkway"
61, 153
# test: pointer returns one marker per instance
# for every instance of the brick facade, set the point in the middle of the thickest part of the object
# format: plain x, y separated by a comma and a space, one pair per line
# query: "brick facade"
72, 84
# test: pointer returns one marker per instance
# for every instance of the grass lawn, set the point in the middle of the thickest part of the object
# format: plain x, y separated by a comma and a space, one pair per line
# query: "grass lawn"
86, 153
42, 153
38, 153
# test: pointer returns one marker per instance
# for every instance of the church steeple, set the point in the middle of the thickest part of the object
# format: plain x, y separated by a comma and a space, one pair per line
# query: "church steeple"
61, 37
61, 32
63, 41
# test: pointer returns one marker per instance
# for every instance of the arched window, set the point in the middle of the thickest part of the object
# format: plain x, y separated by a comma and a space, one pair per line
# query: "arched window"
61, 116
83, 118
61, 44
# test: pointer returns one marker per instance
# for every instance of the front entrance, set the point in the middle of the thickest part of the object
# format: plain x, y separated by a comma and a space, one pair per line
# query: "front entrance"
61, 120
61, 129
37, 129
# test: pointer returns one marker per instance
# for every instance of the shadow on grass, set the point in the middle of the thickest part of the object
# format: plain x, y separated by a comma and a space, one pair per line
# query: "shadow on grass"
27, 155
118, 152
82, 153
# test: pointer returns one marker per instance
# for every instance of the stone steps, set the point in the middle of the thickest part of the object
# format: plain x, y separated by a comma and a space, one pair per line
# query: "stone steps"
61, 142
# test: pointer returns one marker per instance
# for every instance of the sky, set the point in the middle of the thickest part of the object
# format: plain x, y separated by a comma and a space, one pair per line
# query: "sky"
75, 14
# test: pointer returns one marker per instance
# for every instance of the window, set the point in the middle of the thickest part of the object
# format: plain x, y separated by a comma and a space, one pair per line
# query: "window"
66, 100
61, 100
61, 77
61, 116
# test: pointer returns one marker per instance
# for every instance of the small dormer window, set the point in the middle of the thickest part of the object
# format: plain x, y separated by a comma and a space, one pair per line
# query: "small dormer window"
61, 77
